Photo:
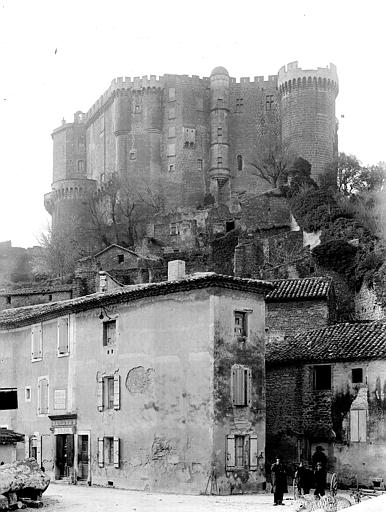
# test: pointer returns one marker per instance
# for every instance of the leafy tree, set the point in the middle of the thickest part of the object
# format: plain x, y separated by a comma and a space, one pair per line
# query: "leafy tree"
349, 176
274, 161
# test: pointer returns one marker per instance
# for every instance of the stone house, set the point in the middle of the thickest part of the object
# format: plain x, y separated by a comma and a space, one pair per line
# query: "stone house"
328, 387
150, 386
309, 303
16, 298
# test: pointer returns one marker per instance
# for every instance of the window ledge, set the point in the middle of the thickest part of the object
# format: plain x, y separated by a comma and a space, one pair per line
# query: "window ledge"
65, 354
35, 360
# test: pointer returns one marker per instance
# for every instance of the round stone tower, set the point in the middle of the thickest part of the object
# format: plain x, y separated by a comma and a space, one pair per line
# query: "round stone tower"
307, 102
68, 200
219, 171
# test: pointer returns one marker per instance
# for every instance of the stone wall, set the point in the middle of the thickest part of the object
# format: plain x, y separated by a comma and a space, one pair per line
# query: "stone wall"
290, 317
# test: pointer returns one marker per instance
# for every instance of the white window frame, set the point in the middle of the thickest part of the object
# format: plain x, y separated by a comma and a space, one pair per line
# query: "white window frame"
60, 319
101, 406
37, 327
44, 414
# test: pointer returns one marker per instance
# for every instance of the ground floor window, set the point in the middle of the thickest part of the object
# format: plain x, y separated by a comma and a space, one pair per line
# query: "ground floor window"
108, 451
241, 452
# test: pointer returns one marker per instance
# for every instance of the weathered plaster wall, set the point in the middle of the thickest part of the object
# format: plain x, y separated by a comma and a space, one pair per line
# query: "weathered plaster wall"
231, 419
165, 363
7, 453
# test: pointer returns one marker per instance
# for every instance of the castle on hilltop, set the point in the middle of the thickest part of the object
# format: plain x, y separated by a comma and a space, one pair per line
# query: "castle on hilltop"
190, 138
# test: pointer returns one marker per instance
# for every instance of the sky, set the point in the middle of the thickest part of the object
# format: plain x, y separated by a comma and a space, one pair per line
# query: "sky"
58, 57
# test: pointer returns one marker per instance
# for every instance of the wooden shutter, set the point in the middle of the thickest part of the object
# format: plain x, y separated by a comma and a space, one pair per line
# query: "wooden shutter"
354, 426
39, 450
100, 393
63, 335
26, 446
253, 459
43, 396
116, 452
37, 345
249, 387
362, 426
238, 385
230, 452
116, 391
100, 452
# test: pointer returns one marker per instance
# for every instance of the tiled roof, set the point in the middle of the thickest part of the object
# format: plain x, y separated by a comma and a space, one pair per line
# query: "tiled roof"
19, 317
339, 342
9, 436
116, 246
305, 288
38, 290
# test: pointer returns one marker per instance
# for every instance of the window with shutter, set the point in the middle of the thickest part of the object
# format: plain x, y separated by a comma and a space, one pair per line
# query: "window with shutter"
108, 392
109, 333
241, 326
63, 336
37, 342
26, 446
39, 450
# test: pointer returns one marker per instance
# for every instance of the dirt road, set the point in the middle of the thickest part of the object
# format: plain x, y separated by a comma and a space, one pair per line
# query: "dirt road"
63, 498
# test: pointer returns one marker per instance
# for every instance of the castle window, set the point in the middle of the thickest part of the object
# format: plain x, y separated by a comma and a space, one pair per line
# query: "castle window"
189, 137
49, 297
269, 102
171, 167
239, 105
199, 164
137, 109
172, 113
220, 102
322, 377
219, 131
172, 93
8, 299
219, 161
133, 154
172, 132
171, 149
239, 163
81, 146
80, 165
357, 375
121, 258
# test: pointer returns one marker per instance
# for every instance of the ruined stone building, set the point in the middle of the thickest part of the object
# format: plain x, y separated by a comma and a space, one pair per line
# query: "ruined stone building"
190, 140
148, 386
328, 387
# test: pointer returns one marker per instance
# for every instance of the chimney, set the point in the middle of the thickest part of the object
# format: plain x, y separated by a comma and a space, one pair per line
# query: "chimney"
176, 270
102, 282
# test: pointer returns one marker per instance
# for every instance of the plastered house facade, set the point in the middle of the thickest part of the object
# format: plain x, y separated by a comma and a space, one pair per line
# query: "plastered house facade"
146, 387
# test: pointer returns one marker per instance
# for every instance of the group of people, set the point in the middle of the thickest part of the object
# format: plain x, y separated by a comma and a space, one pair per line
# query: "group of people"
305, 478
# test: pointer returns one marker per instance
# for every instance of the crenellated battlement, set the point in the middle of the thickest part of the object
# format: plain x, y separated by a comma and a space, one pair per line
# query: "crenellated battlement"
259, 81
292, 76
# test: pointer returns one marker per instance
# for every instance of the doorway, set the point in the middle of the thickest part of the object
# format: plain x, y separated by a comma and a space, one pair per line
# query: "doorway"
64, 455
83, 457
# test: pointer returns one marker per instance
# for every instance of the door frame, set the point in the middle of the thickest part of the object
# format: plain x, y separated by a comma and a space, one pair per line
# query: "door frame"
76, 440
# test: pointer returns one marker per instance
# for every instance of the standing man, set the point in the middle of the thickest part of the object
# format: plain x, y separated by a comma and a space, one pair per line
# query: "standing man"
279, 481
320, 479
319, 456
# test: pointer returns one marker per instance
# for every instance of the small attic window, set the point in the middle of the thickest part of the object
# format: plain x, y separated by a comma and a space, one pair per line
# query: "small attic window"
121, 258
357, 375
8, 299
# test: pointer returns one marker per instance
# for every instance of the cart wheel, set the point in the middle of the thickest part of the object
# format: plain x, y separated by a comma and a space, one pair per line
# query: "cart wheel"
334, 485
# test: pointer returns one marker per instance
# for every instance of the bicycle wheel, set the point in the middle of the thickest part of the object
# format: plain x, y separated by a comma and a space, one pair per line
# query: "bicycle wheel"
334, 485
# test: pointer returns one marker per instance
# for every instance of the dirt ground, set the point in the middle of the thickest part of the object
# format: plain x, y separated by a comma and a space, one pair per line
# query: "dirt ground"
63, 498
